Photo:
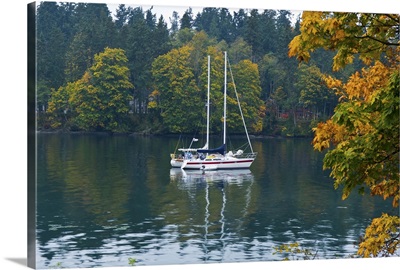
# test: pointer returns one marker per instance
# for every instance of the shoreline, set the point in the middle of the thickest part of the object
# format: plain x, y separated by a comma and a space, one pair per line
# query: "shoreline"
145, 134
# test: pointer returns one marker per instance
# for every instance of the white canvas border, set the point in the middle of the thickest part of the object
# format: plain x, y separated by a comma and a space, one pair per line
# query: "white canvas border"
13, 143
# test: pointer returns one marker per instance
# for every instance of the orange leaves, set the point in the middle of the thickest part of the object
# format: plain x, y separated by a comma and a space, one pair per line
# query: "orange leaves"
386, 189
322, 135
327, 133
360, 86
332, 83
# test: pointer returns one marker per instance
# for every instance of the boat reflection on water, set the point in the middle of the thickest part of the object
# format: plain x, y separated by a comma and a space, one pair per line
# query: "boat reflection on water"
194, 177
221, 199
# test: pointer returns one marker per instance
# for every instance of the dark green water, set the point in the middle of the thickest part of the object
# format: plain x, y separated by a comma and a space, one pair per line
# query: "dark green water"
105, 199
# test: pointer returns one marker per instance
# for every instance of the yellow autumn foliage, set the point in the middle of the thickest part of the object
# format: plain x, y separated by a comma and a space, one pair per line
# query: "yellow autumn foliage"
362, 137
381, 237
367, 35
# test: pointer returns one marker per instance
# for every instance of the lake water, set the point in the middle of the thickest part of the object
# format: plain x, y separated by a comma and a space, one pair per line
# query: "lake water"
102, 200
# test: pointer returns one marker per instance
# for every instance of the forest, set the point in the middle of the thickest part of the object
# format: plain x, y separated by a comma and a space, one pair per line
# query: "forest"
161, 85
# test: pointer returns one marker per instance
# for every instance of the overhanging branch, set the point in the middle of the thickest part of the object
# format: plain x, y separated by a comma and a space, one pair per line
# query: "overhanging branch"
378, 40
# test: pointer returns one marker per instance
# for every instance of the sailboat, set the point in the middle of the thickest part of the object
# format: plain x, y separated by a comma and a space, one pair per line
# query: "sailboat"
217, 158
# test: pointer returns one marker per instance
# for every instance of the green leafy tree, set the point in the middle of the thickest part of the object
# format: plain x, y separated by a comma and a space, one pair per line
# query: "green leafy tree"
365, 133
59, 108
239, 50
99, 100
350, 34
314, 94
247, 82
199, 43
272, 74
182, 37
179, 98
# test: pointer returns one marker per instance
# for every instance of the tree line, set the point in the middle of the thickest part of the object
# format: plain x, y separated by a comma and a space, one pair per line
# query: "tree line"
285, 97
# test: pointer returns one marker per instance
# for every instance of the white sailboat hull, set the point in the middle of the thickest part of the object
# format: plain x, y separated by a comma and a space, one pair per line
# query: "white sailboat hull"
224, 163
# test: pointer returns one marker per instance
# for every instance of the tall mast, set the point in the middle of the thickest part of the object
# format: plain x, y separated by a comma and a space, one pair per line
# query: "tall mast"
208, 105
224, 141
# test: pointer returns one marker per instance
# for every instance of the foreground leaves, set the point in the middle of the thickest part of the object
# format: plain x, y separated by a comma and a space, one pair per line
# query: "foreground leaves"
296, 251
362, 137
368, 35
381, 237
364, 132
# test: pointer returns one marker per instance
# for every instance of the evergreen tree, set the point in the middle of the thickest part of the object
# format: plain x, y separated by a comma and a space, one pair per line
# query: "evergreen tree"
121, 23
150, 19
122, 16
138, 50
204, 20
269, 31
146, 39
174, 22
187, 20
161, 39
284, 35
226, 26
51, 45
252, 34
95, 31
239, 20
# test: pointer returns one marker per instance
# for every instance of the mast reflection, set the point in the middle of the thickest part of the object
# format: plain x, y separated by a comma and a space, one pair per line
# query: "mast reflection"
199, 181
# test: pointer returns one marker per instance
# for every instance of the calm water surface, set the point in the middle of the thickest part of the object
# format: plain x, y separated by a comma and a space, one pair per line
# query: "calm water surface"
105, 199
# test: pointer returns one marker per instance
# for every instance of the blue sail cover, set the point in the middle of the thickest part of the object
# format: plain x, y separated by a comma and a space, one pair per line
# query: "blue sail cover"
220, 150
